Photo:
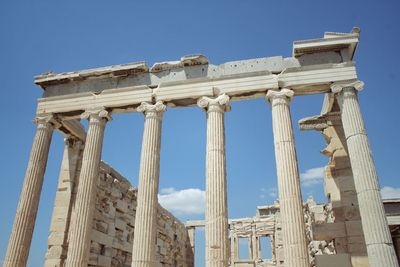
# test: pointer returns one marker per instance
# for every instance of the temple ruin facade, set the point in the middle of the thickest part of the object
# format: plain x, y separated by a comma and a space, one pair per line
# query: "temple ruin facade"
100, 219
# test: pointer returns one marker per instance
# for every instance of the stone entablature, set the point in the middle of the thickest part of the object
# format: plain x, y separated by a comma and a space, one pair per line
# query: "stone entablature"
121, 88
113, 226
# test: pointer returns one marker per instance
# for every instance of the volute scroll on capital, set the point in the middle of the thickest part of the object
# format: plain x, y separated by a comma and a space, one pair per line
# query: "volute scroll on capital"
338, 87
46, 121
152, 109
219, 103
284, 93
96, 115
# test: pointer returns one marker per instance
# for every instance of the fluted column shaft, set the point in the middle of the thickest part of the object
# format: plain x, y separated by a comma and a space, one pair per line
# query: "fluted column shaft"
24, 222
254, 244
192, 239
79, 243
234, 248
145, 234
216, 228
290, 200
375, 227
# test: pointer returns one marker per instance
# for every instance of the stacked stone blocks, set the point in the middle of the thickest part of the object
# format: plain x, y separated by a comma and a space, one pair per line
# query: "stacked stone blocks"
113, 226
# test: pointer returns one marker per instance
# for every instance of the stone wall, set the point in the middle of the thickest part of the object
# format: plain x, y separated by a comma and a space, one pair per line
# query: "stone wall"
346, 229
113, 223
267, 222
252, 229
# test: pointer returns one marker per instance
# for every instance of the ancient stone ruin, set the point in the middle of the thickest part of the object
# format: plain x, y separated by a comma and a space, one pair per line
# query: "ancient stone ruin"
100, 219
113, 223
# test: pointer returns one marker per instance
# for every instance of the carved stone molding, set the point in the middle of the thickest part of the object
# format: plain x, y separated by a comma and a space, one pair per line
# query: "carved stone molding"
319, 122
220, 103
152, 110
284, 93
47, 121
337, 87
96, 115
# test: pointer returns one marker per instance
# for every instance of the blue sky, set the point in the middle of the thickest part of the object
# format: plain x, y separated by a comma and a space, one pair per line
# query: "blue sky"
38, 36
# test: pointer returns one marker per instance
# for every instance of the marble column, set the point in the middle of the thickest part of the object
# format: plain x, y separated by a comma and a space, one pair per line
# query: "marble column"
216, 228
375, 227
192, 236
81, 228
234, 248
291, 207
145, 235
259, 252
254, 244
24, 222
250, 247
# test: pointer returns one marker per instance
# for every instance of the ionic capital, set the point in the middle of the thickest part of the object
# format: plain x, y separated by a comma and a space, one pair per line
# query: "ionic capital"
285, 94
47, 121
338, 87
96, 115
151, 110
220, 103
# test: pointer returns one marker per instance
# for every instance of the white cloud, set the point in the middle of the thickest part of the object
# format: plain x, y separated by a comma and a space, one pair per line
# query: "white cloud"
312, 176
270, 192
273, 192
185, 201
390, 192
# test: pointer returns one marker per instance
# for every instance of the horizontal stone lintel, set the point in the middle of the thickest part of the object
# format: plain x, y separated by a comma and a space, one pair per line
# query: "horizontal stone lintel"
302, 81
